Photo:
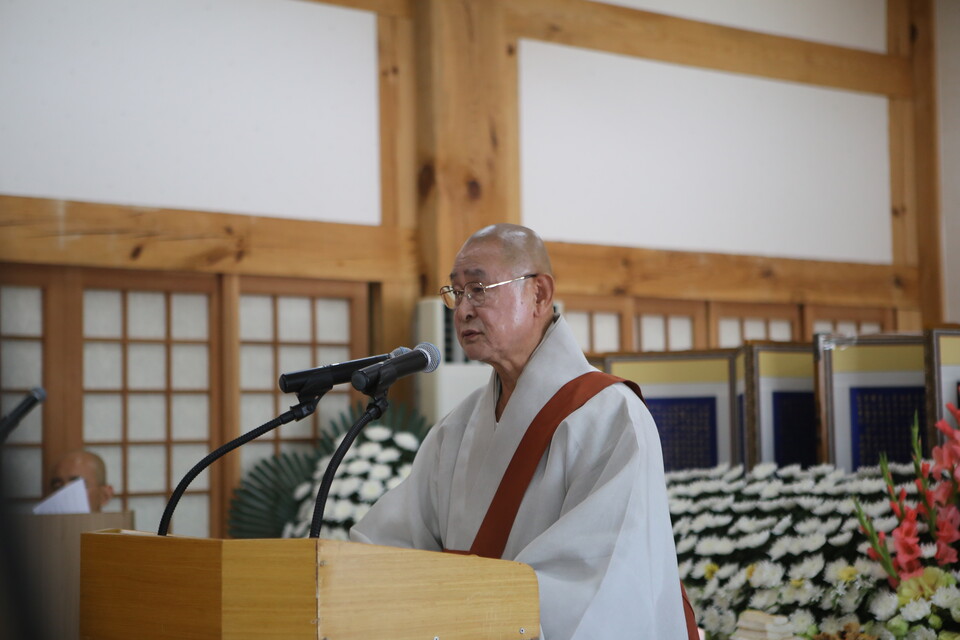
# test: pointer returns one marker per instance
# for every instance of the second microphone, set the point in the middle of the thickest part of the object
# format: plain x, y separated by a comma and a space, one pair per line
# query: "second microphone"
378, 377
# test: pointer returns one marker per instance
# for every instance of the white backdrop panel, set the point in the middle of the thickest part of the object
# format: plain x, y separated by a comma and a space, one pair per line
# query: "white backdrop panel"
860, 24
623, 151
264, 107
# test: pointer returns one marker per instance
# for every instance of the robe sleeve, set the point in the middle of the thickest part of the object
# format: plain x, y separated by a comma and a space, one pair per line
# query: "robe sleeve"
406, 516
607, 567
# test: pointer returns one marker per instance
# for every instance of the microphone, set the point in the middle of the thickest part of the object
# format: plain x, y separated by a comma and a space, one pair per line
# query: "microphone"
34, 397
425, 357
320, 379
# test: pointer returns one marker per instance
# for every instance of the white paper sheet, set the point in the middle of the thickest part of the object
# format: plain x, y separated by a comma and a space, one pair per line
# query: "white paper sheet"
71, 498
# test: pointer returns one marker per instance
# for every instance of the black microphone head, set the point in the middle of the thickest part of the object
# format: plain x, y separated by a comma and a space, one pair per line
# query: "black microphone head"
39, 394
399, 351
433, 356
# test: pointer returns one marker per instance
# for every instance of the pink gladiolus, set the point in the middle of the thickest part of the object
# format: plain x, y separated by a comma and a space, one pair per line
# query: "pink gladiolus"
942, 493
945, 554
948, 525
906, 543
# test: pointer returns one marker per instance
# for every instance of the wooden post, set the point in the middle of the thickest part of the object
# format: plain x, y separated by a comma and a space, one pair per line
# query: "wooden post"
926, 160
467, 158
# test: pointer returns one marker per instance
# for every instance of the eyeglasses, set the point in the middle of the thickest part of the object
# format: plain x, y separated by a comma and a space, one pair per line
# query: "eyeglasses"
474, 291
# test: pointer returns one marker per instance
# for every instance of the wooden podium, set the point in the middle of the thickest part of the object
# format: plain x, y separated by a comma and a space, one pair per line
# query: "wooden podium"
139, 585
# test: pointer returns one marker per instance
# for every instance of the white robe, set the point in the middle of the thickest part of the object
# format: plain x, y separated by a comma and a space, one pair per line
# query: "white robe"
594, 523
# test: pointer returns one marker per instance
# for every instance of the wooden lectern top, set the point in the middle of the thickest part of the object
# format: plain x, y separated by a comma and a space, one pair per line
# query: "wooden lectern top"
139, 585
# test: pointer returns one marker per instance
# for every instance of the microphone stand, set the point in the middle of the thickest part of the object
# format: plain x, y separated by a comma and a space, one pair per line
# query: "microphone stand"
300, 411
378, 405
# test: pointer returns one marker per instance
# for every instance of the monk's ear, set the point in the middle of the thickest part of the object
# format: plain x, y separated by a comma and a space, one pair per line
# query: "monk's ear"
544, 285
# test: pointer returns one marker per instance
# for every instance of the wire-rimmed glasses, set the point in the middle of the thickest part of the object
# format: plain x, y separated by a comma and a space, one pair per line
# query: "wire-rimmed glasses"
474, 291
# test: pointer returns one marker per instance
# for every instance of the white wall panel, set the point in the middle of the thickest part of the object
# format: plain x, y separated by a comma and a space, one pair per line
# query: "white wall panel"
859, 24
623, 151
265, 107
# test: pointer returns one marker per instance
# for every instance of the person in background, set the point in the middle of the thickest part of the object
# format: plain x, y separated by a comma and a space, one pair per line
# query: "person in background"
90, 467
594, 520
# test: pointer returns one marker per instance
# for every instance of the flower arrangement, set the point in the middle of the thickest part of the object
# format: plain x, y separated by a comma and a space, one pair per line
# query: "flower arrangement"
789, 542
921, 551
379, 460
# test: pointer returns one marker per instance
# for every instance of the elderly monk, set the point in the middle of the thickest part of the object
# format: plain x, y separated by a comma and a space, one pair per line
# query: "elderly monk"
594, 521
90, 467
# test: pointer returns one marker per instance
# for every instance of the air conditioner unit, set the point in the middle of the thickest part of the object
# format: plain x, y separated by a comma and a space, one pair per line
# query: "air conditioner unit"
439, 392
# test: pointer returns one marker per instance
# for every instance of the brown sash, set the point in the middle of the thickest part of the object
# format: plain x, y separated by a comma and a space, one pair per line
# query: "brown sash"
493, 533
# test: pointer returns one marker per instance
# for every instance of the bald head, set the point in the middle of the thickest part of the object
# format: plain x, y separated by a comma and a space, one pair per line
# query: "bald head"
90, 467
521, 247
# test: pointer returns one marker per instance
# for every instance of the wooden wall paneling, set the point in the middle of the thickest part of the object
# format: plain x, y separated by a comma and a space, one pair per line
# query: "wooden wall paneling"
607, 270
397, 84
466, 117
230, 395
909, 320
45, 231
621, 305
654, 36
811, 313
392, 304
926, 159
902, 183
695, 309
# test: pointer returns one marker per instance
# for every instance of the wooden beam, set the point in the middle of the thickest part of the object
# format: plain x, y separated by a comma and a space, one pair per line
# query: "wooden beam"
466, 127
903, 187
614, 29
605, 270
926, 160
395, 8
36, 230
398, 122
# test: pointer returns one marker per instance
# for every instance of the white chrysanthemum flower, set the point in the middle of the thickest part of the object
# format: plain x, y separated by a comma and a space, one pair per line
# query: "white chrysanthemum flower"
684, 569
753, 540
681, 527
358, 467
830, 625
766, 574
727, 570
850, 600
371, 490
404, 471
946, 597
807, 568
841, 539
686, 544
348, 486
745, 506
915, 610
342, 509
928, 550
680, 506
780, 548
789, 471
869, 569
377, 432
812, 542
712, 620
709, 521
369, 450
921, 633
801, 620
380, 472
302, 490
763, 470
733, 473
884, 605
887, 524
388, 455
394, 482
763, 599
406, 440
714, 546
728, 622
781, 527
